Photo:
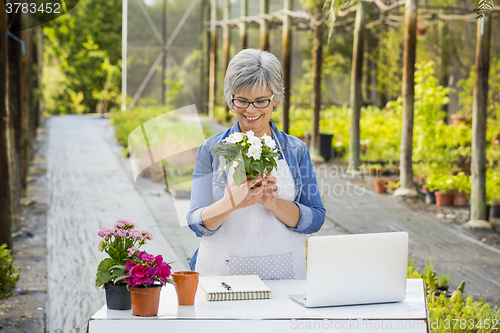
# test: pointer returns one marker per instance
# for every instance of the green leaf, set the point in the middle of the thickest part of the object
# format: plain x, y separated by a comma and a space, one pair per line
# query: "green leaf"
482, 7
239, 174
258, 166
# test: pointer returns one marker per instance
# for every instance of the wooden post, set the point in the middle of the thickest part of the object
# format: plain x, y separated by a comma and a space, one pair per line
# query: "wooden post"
25, 90
409, 55
163, 98
205, 72
14, 107
286, 61
39, 48
479, 116
317, 52
5, 160
356, 85
264, 26
225, 48
213, 59
243, 25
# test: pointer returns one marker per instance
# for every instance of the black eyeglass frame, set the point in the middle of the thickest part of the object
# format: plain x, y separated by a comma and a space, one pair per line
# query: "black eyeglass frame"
252, 102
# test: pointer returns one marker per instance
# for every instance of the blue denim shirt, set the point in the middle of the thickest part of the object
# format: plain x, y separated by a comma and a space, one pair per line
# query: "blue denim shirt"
209, 184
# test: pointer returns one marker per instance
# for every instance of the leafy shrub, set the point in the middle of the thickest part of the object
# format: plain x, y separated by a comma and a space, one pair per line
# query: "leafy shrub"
9, 273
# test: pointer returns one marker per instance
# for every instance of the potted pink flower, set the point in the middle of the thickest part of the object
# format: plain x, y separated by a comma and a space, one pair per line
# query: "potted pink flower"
145, 275
120, 243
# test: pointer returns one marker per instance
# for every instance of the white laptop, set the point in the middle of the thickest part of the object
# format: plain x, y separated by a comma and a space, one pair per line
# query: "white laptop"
355, 269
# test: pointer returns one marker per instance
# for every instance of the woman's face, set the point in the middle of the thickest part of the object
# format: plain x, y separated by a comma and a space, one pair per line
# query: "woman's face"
252, 118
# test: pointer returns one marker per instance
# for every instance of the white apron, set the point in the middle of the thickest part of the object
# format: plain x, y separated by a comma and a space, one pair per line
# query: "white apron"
253, 241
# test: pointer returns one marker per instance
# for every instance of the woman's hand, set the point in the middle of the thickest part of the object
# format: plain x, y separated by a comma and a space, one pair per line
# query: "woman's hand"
244, 196
270, 193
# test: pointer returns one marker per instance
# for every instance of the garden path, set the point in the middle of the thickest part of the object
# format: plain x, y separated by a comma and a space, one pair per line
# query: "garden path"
88, 189
448, 246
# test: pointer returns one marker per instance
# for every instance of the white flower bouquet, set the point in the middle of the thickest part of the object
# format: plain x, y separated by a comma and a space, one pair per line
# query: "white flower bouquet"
249, 154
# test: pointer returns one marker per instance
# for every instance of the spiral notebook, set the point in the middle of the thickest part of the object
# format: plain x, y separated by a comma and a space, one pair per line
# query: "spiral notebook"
233, 287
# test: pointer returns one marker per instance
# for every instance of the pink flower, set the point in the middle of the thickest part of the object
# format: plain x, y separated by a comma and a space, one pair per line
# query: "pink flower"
120, 232
125, 224
146, 256
132, 250
147, 235
105, 232
135, 234
101, 245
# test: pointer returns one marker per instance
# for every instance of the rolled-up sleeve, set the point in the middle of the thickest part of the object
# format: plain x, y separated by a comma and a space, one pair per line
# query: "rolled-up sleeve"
201, 191
312, 210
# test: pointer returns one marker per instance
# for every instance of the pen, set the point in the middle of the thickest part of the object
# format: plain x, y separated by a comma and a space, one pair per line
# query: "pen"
225, 285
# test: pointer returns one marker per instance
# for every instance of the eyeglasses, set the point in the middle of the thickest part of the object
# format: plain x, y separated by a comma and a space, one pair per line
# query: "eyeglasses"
259, 103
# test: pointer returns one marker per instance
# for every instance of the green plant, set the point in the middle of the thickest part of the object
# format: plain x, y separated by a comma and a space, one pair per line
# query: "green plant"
9, 273
462, 183
443, 279
492, 187
441, 183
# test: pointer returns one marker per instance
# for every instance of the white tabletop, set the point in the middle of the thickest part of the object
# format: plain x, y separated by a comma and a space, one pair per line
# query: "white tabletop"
262, 312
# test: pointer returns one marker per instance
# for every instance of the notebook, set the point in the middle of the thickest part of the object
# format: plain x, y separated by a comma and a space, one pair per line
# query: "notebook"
355, 269
242, 287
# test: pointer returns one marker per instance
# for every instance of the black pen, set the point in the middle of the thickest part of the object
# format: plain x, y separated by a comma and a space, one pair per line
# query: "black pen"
225, 285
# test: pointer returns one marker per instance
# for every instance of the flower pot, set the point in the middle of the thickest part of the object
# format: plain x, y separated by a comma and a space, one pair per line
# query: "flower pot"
256, 184
495, 211
325, 144
444, 198
380, 185
495, 140
458, 119
460, 200
186, 283
488, 208
117, 297
430, 197
145, 301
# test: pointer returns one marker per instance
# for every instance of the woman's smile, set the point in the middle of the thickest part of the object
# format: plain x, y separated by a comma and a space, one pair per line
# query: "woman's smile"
252, 119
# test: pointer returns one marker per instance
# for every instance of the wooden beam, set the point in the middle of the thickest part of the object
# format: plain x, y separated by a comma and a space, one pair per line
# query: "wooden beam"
213, 59
205, 73
356, 85
317, 59
243, 25
408, 91
226, 48
479, 117
286, 62
25, 90
264, 26
5, 140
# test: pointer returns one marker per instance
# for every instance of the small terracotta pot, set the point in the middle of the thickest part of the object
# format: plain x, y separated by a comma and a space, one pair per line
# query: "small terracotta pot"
256, 185
380, 185
458, 119
186, 283
145, 301
444, 198
460, 200
495, 140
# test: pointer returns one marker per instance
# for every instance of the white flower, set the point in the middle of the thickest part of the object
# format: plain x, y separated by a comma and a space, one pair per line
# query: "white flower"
338, 144
234, 138
254, 141
254, 151
269, 141
250, 134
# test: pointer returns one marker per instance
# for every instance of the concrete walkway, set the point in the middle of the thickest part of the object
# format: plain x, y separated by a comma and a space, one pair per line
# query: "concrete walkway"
448, 246
88, 189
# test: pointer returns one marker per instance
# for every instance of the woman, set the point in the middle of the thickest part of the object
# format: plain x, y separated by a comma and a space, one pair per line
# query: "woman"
263, 231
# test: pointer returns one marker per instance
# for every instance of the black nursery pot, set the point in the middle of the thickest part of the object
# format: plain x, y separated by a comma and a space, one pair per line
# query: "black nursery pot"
430, 197
495, 211
117, 297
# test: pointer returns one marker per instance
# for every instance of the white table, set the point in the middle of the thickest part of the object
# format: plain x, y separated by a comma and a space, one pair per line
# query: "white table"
278, 314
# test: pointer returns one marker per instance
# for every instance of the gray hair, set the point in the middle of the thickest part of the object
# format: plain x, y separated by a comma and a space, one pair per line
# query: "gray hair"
253, 68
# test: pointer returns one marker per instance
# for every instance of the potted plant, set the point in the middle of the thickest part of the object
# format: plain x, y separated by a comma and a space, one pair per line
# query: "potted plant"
442, 184
493, 192
120, 243
250, 155
145, 275
461, 183
9, 273
392, 186
380, 185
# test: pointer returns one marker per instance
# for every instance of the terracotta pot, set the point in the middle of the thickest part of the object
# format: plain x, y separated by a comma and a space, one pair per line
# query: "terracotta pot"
495, 140
460, 200
145, 301
256, 185
444, 198
458, 119
380, 185
186, 283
